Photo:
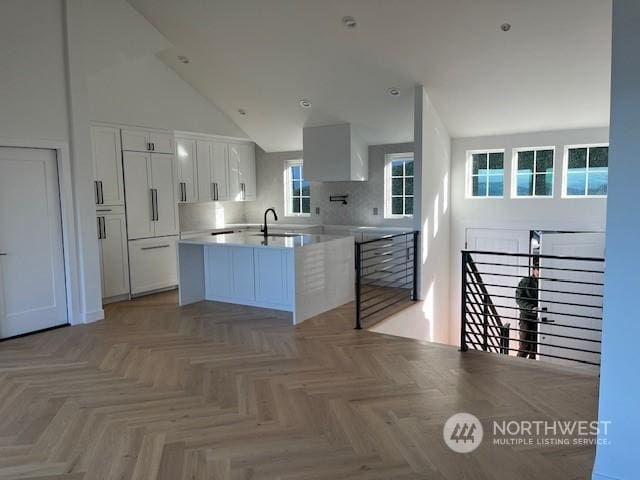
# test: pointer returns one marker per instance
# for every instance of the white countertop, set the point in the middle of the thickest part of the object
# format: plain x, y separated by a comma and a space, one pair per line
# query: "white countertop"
250, 239
292, 227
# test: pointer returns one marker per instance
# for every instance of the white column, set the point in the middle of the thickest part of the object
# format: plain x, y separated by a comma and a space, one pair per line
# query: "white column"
619, 385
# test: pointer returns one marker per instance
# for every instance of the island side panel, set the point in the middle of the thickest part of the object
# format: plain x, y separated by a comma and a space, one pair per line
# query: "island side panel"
190, 273
324, 277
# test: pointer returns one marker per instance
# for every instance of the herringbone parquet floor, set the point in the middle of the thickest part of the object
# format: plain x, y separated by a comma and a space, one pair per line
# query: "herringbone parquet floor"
216, 391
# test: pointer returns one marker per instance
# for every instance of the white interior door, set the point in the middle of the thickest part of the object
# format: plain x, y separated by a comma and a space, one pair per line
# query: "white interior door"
32, 279
584, 298
503, 271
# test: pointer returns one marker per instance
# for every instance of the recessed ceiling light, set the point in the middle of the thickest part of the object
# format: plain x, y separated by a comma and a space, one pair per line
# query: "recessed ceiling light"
242, 111
305, 103
505, 27
183, 59
349, 22
394, 92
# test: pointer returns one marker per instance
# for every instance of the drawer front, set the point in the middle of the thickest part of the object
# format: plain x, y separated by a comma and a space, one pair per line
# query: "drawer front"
153, 264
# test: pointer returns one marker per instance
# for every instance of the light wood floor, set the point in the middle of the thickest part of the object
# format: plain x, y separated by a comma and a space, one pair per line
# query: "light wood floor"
215, 391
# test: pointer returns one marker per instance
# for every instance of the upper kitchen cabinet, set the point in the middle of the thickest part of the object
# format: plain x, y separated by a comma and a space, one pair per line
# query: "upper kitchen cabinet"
213, 170
187, 171
334, 153
138, 140
242, 171
107, 165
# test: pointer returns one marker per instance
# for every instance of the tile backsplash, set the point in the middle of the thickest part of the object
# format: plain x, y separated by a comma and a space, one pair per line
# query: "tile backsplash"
364, 197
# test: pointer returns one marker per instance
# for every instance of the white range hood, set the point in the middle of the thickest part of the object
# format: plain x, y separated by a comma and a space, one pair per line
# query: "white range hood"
334, 153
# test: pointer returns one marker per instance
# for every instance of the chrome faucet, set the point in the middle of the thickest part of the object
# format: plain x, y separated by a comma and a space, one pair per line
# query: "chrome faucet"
265, 230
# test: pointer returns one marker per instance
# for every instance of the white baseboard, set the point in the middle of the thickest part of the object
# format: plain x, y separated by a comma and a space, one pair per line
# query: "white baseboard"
90, 317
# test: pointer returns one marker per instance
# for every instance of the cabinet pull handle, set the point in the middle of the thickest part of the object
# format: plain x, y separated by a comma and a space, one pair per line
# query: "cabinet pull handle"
103, 210
99, 228
3, 254
104, 228
101, 192
153, 205
155, 202
153, 147
242, 189
97, 195
183, 188
155, 247
215, 189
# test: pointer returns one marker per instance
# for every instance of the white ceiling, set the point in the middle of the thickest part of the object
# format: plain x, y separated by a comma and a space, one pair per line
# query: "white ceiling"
551, 71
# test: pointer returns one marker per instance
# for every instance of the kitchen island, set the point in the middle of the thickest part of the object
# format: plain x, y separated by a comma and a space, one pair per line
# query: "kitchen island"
305, 274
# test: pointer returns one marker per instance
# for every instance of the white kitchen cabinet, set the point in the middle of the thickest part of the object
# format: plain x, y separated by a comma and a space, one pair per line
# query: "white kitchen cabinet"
273, 276
242, 171
151, 185
114, 258
187, 171
218, 273
213, 170
107, 166
139, 140
242, 274
153, 264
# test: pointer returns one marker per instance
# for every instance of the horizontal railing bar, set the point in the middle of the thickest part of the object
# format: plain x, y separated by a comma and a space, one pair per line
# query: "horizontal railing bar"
547, 312
388, 245
575, 349
540, 278
530, 255
393, 261
386, 272
378, 290
540, 354
386, 237
571, 304
393, 284
538, 289
513, 329
401, 252
542, 267
386, 306
555, 324
383, 300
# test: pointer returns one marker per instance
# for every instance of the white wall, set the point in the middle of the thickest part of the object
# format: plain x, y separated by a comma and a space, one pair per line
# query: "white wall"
619, 387
428, 320
33, 95
146, 92
556, 213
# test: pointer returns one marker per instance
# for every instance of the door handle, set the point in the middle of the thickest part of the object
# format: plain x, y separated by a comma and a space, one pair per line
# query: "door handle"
546, 319
154, 247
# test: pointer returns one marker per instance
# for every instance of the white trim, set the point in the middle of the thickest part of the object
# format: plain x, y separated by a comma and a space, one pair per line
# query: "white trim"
90, 317
514, 173
468, 189
287, 189
69, 238
209, 136
388, 159
565, 169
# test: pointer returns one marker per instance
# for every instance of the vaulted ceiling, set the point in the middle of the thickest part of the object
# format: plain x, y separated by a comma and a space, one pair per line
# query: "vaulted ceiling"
550, 71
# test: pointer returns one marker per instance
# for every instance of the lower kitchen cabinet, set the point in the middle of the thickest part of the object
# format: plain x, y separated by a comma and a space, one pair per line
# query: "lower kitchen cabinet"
153, 264
114, 264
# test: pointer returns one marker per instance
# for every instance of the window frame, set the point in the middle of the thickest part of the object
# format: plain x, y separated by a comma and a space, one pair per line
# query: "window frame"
288, 189
565, 171
388, 161
514, 173
469, 174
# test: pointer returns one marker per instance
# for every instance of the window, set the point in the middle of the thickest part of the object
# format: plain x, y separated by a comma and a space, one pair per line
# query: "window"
534, 172
297, 192
486, 174
587, 171
398, 185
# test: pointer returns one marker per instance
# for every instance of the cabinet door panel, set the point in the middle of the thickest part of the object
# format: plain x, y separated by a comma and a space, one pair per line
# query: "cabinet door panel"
248, 170
235, 192
153, 264
115, 261
165, 181
162, 142
271, 276
243, 273
220, 170
186, 162
137, 181
218, 272
203, 155
135, 140
107, 161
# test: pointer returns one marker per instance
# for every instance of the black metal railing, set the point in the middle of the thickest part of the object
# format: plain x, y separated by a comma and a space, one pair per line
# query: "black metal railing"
386, 276
555, 301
